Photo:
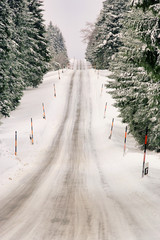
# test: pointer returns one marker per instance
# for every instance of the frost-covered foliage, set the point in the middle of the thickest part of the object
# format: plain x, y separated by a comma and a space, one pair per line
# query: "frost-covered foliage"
104, 41
24, 57
5, 46
39, 47
136, 69
145, 4
59, 56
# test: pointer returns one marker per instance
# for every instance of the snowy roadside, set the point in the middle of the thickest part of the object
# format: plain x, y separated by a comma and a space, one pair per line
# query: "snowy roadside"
126, 167
14, 167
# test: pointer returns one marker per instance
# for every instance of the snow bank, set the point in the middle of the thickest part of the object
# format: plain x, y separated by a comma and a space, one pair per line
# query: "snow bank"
12, 167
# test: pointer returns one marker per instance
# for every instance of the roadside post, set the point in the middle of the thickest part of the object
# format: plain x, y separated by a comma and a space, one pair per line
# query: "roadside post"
125, 140
44, 115
31, 137
105, 108
59, 75
144, 158
111, 129
15, 143
54, 90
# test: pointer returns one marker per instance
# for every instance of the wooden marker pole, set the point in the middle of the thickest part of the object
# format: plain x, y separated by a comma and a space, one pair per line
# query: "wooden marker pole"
32, 131
54, 90
59, 75
125, 140
144, 158
105, 110
44, 115
15, 143
101, 89
111, 129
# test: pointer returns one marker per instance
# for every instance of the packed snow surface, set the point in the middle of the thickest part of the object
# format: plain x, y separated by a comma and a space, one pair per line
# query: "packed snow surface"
74, 183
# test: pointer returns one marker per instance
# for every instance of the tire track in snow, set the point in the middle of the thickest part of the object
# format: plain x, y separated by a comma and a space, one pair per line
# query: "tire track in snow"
13, 202
80, 201
66, 205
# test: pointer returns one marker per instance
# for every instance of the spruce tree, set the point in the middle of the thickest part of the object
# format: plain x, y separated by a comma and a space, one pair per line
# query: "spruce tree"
105, 39
41, 63
10, 80
23, 50
5, 32
136, 70
29, 35
59, 56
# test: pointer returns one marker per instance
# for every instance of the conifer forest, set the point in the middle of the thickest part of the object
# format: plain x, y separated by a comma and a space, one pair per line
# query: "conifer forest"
126, 40
28, 49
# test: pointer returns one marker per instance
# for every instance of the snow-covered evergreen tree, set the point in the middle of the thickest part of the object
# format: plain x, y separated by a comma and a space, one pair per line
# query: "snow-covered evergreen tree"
24, 55
5, 32
40, 65
10, 80
105, 38
57, 47
20, 29
136, 70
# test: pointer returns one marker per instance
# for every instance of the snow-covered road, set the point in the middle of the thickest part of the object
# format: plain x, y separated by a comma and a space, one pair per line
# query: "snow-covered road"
83, 188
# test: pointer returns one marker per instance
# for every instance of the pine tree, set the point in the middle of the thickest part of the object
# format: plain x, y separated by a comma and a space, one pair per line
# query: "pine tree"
136, 70
29, 34
23, 50
19, 36
41, 63
10, 81
57, 47
5, 32
105, 39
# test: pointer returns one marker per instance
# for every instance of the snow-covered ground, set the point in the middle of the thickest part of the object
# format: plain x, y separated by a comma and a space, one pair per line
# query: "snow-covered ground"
11, 166
74, 182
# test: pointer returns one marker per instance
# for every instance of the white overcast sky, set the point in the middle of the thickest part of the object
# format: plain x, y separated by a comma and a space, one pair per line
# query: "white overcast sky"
70, 16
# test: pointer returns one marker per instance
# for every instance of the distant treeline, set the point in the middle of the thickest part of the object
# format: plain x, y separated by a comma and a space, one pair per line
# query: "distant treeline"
25, 50
57, 47
126, 40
